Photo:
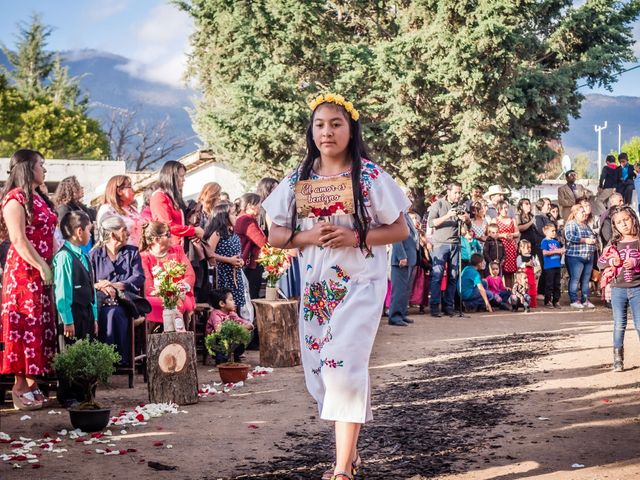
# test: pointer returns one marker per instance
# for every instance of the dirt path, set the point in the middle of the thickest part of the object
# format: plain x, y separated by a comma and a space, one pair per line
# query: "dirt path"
503, 396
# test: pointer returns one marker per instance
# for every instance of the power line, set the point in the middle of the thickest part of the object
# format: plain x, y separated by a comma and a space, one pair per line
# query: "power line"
616, 75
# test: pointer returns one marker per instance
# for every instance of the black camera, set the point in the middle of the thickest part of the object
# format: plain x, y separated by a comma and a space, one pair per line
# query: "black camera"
460, 210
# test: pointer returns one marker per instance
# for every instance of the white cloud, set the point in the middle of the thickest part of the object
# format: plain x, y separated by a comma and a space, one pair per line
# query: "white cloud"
102, 9
159, 52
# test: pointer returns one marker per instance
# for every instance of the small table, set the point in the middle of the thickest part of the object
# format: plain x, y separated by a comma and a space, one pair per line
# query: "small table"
277, 322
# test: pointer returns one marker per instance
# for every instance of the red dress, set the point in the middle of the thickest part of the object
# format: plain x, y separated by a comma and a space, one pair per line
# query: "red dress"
509, 244
164, 210
149, 260
28, 323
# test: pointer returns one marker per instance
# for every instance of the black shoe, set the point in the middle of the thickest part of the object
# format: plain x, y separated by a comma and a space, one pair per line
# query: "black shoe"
436, 314
607, 304
556, 305
421, 309
449, 312
503, 306
399, 324
407, 320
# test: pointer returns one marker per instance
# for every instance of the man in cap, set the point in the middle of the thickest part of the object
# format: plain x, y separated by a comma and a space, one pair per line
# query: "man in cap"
495, 195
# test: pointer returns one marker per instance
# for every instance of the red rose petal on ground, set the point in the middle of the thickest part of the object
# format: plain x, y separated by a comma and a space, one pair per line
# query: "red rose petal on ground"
97, 435
122, 451
19, 458
142, 460
46, 435
131, 450
159, 428
158, 444
80, 439
141, 404
140, 417
35, 465
5, 441
251, 425
108, 450
87, 452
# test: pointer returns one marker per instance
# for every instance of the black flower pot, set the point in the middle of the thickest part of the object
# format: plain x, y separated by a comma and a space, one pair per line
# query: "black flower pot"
90, 420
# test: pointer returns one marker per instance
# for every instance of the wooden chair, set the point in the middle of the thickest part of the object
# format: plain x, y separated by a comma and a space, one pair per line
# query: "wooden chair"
198, 325
138, 345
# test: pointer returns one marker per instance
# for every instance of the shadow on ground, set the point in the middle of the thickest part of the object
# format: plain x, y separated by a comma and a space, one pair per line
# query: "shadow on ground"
429, 418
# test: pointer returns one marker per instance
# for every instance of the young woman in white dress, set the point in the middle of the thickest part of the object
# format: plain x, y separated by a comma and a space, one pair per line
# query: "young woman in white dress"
343, 269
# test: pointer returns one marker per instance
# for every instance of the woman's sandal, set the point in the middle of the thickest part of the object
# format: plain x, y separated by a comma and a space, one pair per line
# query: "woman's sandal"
25, 401
39, 396
341, 476
355, 466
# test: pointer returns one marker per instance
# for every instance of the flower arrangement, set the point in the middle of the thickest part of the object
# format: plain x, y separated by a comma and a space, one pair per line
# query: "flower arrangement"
338, 100
169, 283
275, 262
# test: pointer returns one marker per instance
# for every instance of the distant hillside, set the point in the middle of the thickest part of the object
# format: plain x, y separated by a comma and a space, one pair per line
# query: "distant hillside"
596, 109
109, 85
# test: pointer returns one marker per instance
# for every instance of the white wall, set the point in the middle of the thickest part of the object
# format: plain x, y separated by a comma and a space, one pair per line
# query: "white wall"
230, 181
92, 174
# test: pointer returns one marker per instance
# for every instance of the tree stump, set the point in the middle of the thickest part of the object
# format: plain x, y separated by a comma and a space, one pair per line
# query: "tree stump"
277, 323
171, 367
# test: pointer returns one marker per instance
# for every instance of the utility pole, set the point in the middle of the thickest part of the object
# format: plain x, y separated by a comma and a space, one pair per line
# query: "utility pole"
619, 138
598, 130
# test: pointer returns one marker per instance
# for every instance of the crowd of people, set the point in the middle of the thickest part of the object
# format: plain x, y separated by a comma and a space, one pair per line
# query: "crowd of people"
484, 253
92, 270
72, 271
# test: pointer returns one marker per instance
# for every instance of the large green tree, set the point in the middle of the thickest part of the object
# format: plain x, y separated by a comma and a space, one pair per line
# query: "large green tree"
41, 106
448, 89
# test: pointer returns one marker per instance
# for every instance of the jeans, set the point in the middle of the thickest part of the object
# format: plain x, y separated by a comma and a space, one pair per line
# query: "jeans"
579, 273
400, 292
621, 298
444, 254
476, 300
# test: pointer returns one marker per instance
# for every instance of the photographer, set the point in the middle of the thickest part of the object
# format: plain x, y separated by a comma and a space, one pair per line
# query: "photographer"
444, 215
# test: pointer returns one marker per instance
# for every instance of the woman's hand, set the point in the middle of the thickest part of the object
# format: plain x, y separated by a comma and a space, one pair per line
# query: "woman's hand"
69, 331
338, 237
46, 274
199, 232
629, 263
314, 235
236, 261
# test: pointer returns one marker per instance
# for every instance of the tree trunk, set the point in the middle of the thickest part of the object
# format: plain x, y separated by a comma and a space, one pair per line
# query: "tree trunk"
171, 367
277, 323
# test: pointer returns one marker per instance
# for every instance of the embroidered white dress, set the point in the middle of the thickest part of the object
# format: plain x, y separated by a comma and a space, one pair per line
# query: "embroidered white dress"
342, 296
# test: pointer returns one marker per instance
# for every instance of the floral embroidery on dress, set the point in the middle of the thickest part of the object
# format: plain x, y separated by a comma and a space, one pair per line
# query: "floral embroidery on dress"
321, 299
329, 362
341, 273
314, 343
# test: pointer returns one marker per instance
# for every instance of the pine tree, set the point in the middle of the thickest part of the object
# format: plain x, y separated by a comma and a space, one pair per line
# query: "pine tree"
66, 90
31, 62
469, 90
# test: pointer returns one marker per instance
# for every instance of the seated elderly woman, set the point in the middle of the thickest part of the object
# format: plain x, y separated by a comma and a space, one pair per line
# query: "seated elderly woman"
119, 285
156, 249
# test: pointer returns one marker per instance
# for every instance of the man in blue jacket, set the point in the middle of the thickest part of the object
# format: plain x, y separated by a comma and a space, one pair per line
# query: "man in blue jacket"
404, 257
625, 181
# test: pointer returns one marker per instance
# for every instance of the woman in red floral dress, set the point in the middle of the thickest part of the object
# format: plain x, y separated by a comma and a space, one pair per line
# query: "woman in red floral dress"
508, 233
28, 324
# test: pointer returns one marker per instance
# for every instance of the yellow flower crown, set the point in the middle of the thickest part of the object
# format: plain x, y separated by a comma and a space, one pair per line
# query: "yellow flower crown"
336, 99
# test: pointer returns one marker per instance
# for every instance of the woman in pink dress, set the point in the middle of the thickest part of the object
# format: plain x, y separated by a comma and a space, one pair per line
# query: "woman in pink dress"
509, 234
28, 324
156, 249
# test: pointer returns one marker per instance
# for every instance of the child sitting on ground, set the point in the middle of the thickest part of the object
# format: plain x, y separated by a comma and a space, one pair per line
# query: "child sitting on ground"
520, 292
493, 250
468, 245
531, 267
224, 308
495, 283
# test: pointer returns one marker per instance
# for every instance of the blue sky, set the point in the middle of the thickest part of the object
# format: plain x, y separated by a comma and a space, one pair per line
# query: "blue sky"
152, 33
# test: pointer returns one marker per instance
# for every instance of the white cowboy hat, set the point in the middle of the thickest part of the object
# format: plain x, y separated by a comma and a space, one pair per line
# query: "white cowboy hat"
494, 190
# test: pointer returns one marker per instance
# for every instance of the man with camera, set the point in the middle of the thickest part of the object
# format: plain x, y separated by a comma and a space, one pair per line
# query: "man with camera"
444, 217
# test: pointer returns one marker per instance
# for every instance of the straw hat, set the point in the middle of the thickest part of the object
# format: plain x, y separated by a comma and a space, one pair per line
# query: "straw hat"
494, 190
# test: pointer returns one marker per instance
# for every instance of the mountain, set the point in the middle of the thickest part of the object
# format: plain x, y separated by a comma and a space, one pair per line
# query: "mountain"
109, 85
596, 109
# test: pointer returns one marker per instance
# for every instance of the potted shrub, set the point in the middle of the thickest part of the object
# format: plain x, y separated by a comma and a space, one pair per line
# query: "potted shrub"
84, 364
230, 337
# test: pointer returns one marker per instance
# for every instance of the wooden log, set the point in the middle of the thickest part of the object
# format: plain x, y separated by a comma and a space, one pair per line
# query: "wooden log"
277, 323
171, 367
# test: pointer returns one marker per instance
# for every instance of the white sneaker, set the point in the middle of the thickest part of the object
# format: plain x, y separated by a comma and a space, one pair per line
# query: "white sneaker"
576, 305
588, 304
